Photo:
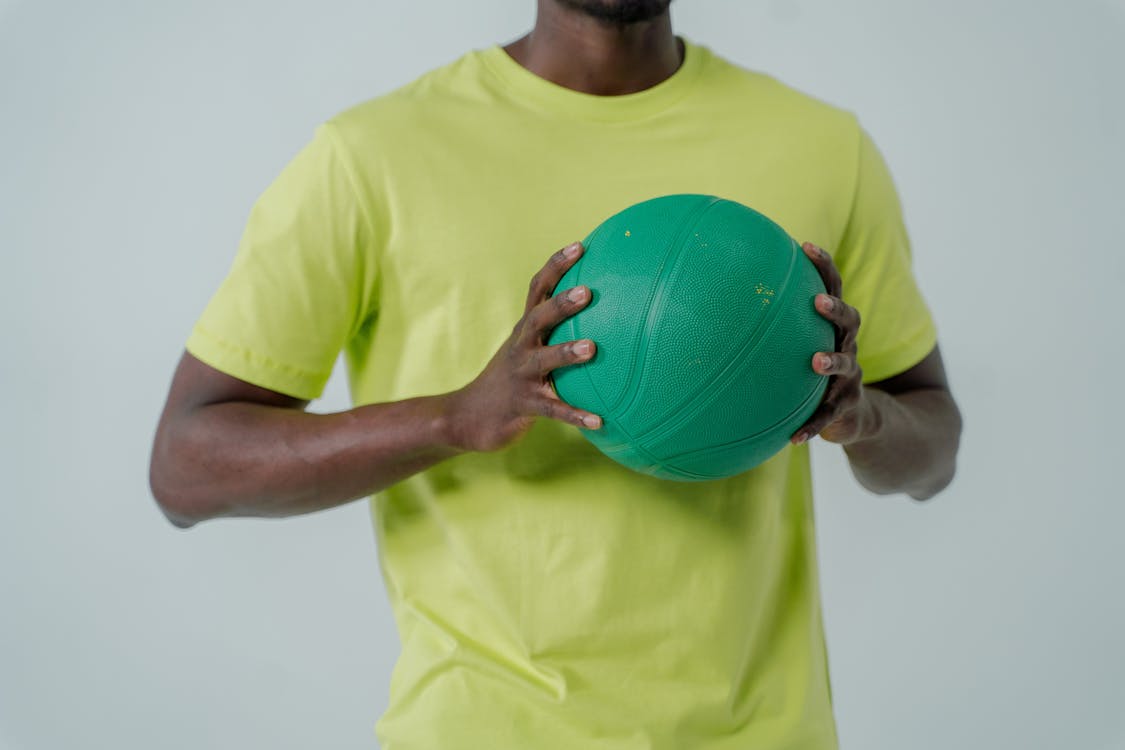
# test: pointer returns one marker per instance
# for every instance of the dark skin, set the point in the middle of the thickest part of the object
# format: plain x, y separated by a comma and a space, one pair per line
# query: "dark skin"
227, 448
583, 53
900, 434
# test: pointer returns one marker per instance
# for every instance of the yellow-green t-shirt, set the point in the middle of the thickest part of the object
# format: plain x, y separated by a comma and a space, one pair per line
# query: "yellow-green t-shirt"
545, 596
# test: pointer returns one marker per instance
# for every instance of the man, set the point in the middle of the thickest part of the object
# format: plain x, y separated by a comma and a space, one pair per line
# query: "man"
546, 597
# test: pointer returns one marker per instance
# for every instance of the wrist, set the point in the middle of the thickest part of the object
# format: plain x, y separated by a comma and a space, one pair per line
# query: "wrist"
870, 418
446, 422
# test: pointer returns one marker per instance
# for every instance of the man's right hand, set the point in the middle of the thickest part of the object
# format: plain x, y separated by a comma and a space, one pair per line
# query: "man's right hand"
501, 403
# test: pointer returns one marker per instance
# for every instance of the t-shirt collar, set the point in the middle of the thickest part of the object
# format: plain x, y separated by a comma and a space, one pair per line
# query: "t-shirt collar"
537, 92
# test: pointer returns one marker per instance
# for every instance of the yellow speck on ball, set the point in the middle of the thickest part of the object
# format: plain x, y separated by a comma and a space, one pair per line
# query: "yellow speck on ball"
628, 233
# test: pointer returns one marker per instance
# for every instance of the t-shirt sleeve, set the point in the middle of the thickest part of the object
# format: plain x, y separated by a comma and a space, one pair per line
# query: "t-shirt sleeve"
300, 283
874, 259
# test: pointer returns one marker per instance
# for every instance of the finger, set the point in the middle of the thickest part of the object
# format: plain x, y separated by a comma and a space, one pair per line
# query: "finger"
842, 364
557, 409
549, 313
821, 418
840, 396
842, 315
548, 358
823, 262
843, 392
547, 278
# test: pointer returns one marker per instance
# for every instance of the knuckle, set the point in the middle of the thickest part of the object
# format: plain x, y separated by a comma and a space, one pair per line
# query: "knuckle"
544, 407
558, 258
561, 412
534, 362
520, 369
510, 354
531, 321
548, 361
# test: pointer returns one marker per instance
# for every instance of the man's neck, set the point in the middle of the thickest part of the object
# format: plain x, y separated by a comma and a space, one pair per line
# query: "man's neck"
580, 52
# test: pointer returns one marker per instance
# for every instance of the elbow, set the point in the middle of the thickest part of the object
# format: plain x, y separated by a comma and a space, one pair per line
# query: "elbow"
942, 478
917, 487
179, 521
176, 510
935, 487
179, 506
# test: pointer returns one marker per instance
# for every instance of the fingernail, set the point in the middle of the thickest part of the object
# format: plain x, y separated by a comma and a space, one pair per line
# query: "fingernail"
802, 437
576, 294
572, 250
590, 421
582, 348
827, 303
825, 361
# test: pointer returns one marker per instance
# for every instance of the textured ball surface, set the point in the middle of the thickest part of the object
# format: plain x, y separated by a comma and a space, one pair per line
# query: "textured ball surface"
702, 313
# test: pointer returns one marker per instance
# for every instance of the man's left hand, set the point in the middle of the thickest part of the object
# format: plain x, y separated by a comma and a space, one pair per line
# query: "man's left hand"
844, 415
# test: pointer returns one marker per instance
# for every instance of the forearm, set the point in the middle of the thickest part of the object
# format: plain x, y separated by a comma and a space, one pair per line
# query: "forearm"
911, 443
248, 459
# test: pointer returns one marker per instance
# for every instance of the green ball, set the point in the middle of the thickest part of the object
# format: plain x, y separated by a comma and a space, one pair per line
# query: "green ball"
702, 314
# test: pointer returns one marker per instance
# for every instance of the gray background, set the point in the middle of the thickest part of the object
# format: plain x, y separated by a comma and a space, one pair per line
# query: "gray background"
135, 137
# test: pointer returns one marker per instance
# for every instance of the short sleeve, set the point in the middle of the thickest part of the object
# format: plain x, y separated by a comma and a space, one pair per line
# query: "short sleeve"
301, 279
874, 259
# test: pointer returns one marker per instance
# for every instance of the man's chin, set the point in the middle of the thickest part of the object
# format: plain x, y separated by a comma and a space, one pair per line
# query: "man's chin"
619, 11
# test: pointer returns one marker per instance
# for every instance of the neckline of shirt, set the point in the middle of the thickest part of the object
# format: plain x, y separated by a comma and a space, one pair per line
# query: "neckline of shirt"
531, 89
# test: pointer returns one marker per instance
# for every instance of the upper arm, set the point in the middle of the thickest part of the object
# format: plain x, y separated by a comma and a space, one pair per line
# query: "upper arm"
874, 258
929, 373
196, 385
301, 284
